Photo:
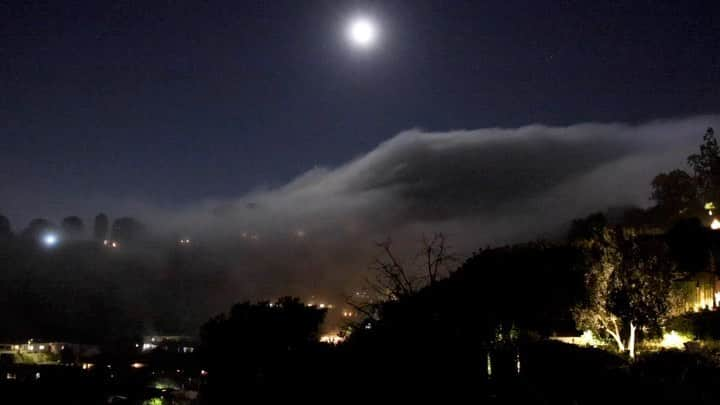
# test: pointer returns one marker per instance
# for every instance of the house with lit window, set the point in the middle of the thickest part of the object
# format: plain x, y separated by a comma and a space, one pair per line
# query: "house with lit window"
700, 291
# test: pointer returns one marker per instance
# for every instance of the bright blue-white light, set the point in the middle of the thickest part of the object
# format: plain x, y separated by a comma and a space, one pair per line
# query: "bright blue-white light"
50, 239
362, 32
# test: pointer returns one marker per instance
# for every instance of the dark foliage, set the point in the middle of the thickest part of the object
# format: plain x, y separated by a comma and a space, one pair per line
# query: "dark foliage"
256, 346
701, 325
691, 245
590, 227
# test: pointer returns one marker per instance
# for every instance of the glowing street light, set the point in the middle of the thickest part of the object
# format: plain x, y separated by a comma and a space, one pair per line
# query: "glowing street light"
673, 340
50, 239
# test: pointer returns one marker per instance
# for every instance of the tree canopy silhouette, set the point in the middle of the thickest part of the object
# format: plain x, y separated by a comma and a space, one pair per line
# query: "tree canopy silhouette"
73, 227
257, 342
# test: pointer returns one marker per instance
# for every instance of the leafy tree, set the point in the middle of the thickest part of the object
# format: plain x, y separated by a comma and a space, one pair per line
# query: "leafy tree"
628, 285
73, 226
636, 217
588, 228
706, 167
101, 226
511, 281
258, 342
675, 194
483, 310
642, 293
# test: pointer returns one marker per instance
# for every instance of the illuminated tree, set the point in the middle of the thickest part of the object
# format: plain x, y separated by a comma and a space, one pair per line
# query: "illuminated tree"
100, 228
628, 284
706, 167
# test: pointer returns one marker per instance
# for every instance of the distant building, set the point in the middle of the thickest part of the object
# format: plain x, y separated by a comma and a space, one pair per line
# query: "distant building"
700, 291
34, 352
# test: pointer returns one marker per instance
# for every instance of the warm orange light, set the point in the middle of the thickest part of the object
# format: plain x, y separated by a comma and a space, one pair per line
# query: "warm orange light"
673, 340
331, 339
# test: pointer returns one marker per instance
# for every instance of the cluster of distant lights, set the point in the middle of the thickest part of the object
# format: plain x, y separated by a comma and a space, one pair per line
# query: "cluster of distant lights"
137, 365
113, 244
52, 239
321, 305
251, 236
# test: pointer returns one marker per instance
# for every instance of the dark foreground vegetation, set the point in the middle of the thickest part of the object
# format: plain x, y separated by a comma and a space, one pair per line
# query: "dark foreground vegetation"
483, 330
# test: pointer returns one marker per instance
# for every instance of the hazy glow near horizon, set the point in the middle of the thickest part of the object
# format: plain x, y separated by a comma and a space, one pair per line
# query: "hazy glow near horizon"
50, 239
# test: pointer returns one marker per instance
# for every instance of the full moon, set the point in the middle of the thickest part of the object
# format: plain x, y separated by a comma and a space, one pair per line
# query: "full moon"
362, 32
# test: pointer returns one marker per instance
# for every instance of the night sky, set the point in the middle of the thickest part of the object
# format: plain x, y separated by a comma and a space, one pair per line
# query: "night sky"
172, 102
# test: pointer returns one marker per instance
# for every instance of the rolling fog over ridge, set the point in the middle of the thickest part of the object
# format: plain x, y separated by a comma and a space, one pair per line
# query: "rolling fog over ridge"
316, 234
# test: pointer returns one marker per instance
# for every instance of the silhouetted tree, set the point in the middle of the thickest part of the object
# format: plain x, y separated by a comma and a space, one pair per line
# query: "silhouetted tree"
636, 217
706, 167
257, 343
37, 227
73, 227
691, 245
511, 281
675, 194
587, 228
101, 226
395, 278
483, 309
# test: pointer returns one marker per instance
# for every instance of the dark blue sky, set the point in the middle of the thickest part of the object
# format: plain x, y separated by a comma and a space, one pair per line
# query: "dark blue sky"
170, 102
